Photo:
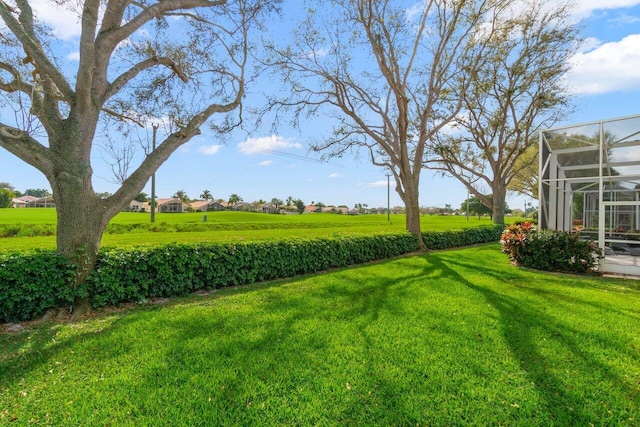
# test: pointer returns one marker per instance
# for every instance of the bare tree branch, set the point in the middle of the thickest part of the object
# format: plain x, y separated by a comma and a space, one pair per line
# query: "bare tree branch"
516, 90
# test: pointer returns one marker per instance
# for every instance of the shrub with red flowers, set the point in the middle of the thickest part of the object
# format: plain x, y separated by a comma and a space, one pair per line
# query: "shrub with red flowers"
549, 250
514, 239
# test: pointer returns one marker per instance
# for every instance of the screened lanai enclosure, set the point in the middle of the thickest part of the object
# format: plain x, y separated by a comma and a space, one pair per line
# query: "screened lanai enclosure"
590, 182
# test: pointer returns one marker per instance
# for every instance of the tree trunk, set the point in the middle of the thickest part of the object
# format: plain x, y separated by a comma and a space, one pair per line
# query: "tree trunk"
412, 207
79, 231
499, 196
81, 216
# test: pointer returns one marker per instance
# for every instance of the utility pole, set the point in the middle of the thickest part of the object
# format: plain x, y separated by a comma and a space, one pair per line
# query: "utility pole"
388, 197
468, 196
153, 179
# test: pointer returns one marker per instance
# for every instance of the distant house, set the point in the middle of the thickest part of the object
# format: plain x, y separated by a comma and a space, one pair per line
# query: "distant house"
217, 206
312, 209
171, 205
343, 209
200, 205
207, 206
42, 202
243, 207
23, 201
270, 208
17, 203
136, 206
290, 210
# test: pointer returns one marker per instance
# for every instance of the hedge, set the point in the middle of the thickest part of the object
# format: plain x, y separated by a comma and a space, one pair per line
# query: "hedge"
178, 269
459, 238
30, 284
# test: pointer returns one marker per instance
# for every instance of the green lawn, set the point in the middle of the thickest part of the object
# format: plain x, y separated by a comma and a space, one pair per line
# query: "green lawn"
226, 226
48, 216
447, 338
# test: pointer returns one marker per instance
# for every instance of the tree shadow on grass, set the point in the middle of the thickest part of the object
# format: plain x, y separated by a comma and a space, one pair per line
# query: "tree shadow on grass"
522, 319
308, 352
280, 356
263, 352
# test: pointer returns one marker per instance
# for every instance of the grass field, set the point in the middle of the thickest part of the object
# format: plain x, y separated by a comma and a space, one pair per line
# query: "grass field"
226, 226
447, 338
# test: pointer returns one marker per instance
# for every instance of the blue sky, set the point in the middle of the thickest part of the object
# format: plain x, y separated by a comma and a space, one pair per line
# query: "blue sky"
605, 80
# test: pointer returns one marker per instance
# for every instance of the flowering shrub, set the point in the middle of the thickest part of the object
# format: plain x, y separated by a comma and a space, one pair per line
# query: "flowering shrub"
549, 250
514, 239
577, 225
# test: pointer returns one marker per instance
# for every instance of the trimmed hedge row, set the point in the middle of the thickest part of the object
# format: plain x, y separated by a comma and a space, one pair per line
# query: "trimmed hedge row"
178, 269
31, 230
30, 284
458, 238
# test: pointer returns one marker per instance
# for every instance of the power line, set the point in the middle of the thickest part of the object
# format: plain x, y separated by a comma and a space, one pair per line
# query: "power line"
302, 158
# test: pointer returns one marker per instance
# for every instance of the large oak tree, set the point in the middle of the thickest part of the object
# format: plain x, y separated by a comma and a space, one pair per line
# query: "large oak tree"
382, 71
518, 90
181, 61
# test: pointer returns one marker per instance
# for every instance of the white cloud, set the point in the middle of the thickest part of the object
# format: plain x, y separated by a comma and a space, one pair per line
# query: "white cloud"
607, 68
74, 56
266, 144
377, 184
585, 8
64, 21
319, 53
590, 43
335, 175
209, 149
265, 163
625, 19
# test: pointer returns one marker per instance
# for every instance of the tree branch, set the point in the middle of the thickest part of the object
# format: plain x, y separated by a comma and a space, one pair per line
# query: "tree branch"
52, 79
134, 71
25, 147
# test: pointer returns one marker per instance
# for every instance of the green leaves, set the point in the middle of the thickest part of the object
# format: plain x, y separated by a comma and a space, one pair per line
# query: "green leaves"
457, 238
131, 275
549, 250
30, 284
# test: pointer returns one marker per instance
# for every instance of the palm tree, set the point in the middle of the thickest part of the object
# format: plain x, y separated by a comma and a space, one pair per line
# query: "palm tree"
290, 200
234, 198
277, 202
206, 195
142, 197
182, 195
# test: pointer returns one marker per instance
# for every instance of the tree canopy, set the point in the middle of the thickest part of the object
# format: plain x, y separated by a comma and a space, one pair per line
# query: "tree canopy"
383, 70
171, 62
517, 90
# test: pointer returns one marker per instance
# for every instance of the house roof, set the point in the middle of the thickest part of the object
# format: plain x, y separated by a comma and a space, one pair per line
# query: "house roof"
201, 203
167, 200
46, 199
